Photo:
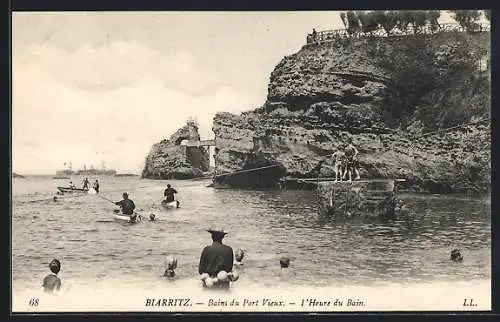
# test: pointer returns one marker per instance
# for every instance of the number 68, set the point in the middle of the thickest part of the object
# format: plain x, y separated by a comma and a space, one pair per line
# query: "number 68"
33, 302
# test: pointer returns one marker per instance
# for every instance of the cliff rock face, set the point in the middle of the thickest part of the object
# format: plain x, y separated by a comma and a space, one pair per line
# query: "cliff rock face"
171, 159
384, 94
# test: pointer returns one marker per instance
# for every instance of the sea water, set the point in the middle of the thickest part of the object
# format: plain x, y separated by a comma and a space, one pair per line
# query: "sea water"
374, 265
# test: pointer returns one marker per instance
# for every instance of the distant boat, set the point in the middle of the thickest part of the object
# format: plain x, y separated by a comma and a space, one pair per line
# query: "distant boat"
109, 172
61, 177
66, 173
93, 171
16, 175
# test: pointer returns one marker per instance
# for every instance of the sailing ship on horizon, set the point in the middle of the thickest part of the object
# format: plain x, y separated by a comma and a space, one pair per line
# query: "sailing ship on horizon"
91, 171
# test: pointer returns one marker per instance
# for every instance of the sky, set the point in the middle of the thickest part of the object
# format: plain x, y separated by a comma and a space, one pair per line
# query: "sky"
93, 87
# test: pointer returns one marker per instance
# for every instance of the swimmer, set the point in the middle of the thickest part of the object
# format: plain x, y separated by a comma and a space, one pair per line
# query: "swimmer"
54, 199
238, 256
456, 255
52, 282
284, 262
152, 217
171, 266
285, 273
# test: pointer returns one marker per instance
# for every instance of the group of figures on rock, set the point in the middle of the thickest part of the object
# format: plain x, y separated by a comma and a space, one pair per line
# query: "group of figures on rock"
345, 162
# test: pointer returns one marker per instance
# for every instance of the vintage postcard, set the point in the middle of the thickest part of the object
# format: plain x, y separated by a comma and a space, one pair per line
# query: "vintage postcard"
319, 161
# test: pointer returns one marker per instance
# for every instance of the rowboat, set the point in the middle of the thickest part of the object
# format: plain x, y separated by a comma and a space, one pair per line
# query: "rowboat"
71, 190
124, 218
170, 205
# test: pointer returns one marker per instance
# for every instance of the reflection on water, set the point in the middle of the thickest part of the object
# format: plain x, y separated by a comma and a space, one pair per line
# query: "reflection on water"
267, 224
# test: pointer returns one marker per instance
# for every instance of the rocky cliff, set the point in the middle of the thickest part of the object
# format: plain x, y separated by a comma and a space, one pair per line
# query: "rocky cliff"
172, 159
384, 93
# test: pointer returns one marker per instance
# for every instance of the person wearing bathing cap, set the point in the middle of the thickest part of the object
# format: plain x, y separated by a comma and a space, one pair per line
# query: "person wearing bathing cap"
284, 262
52, 282
285, 273
456, 255
238, 256
171, 266
216, 258
127, 206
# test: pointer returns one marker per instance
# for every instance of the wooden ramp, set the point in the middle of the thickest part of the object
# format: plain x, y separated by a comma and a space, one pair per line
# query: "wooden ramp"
313, 183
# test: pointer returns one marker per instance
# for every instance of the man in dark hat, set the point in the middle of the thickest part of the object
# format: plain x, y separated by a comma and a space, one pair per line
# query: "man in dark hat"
216, 257
127, 206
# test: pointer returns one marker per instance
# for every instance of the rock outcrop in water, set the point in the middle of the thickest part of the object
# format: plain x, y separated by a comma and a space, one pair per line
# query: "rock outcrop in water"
172, 159
16, 175
384, 93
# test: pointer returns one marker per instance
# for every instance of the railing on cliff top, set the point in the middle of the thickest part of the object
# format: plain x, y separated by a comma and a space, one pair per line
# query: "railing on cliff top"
332, 35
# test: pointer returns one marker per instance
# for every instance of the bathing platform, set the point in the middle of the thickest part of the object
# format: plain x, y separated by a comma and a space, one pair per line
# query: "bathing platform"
373, 197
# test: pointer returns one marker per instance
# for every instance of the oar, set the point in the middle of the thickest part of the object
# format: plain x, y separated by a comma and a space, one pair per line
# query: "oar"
52, 198
107, 199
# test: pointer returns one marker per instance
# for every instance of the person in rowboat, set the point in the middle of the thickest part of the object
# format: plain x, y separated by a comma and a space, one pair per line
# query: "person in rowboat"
127, 206
216, 258
169, 193
71, 185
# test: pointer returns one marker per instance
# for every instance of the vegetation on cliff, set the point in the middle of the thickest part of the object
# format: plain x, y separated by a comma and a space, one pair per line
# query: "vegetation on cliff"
436, 80
356, 22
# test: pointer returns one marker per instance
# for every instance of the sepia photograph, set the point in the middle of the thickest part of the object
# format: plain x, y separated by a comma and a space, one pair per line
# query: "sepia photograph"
251, 161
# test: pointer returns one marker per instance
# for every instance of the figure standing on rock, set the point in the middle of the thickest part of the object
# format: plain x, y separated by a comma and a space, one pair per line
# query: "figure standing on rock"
314, 35
339, 164
351, 154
